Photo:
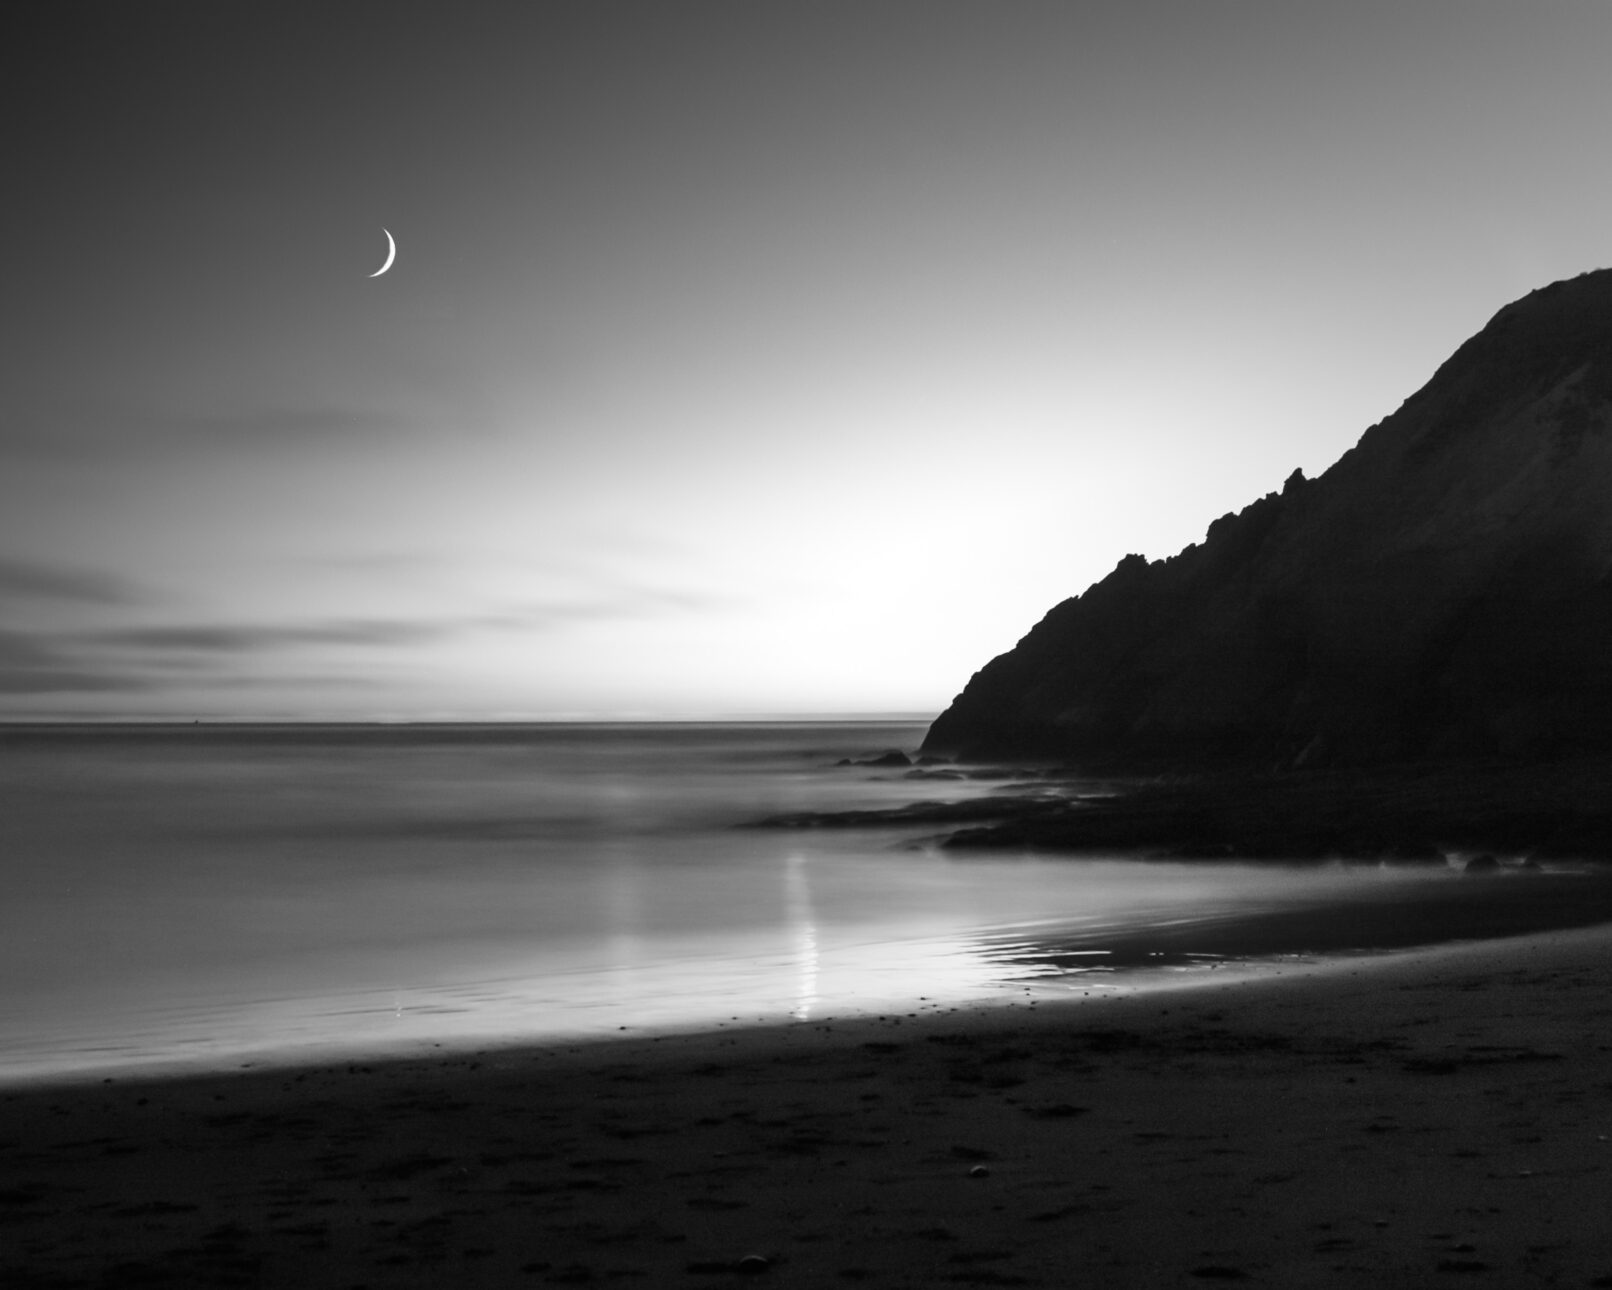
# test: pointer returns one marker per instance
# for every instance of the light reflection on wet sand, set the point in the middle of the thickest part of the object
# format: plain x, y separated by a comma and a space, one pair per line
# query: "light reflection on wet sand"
799, 970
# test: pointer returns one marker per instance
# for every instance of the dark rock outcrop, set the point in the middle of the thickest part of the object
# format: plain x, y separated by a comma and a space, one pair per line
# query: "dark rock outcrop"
895, 757
1444, 591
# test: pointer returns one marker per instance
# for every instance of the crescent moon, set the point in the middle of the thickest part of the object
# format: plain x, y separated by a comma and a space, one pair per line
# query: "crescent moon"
391, 254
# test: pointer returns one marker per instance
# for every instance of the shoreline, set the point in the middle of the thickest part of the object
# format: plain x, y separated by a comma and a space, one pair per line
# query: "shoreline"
1373, 1120
1352, 915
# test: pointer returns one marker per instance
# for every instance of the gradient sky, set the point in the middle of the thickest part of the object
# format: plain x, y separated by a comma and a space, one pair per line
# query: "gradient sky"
738, 358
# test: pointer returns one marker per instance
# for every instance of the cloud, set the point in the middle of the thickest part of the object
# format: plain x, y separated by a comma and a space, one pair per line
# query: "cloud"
20, 580
149, 658
156, 657
32, 664
245, 638
615, 604
67, 681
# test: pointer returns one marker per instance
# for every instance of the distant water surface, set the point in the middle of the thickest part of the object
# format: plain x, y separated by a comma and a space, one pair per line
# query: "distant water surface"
221, 894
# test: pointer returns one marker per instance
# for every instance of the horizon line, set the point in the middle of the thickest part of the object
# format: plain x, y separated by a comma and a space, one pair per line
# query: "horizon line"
778, 718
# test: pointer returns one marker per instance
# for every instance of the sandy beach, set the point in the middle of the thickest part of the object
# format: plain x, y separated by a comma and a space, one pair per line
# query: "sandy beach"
1399, 1120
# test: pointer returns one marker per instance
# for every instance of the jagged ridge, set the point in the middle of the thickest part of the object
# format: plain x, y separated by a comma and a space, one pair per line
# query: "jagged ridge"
1442, 591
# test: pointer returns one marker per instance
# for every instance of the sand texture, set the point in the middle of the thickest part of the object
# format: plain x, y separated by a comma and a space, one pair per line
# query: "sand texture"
1425, 1119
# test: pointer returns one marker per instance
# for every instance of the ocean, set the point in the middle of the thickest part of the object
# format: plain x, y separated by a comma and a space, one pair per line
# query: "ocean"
218, 896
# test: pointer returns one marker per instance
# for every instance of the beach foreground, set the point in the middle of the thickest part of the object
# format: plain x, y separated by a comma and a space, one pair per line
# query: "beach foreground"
1400, 1120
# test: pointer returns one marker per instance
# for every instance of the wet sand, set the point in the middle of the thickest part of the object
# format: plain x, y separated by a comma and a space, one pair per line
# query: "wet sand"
1406, 1120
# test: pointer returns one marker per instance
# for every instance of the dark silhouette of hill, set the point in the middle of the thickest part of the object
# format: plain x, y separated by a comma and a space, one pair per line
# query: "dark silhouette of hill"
1442, 593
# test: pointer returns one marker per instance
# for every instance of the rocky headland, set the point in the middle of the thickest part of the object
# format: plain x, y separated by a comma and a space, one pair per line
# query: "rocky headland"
1412, 650
1443, 592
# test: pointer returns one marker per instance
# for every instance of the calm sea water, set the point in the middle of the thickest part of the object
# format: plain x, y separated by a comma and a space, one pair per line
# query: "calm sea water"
220, 895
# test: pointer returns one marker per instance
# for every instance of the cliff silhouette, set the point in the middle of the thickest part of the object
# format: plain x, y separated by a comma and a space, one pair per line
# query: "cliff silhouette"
1442, 593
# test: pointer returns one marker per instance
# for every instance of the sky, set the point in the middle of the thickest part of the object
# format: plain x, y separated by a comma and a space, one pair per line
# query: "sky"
738, 359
